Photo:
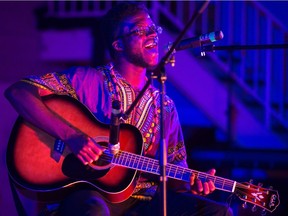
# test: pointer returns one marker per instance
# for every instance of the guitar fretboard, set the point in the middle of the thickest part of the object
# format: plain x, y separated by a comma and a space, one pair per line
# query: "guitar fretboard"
149, 165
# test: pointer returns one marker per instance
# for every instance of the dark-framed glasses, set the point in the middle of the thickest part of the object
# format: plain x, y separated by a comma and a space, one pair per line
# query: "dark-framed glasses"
147, 30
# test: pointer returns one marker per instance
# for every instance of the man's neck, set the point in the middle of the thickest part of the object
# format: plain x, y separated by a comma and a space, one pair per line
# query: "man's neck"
135, 75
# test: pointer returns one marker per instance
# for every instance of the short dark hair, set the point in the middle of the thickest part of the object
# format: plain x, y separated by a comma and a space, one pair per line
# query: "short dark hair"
115, 16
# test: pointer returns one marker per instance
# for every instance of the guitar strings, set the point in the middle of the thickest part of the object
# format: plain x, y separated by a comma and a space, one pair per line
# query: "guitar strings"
154, 165
128, 157
131, 160
136, 161
150, 165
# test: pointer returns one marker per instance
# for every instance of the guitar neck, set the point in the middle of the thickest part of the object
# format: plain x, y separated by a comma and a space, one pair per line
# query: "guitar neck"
149, 165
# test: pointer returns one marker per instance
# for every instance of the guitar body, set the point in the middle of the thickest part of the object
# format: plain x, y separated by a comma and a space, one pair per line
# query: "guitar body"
33, 162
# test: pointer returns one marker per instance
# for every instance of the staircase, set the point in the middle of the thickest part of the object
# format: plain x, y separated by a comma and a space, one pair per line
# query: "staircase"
251, 84
242, 92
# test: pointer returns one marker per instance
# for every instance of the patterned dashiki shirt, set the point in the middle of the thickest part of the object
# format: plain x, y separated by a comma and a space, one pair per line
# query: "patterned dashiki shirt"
96, 88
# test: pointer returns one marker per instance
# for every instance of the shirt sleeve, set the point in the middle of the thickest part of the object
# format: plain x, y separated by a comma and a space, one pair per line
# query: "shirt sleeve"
52, 83
176, 147
83, 83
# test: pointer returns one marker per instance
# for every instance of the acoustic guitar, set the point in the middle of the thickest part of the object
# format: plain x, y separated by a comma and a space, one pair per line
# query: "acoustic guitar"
39, 162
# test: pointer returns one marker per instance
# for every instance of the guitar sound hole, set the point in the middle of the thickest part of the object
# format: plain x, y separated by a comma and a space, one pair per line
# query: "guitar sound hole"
104, 161
73, 168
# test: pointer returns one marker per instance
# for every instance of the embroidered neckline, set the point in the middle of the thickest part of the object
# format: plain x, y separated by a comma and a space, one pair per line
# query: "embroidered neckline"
113, 79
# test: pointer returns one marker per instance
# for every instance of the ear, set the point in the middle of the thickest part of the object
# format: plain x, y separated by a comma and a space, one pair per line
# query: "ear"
118, 45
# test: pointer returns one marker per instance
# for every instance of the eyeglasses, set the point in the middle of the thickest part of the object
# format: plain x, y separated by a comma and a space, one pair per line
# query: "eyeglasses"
144, 31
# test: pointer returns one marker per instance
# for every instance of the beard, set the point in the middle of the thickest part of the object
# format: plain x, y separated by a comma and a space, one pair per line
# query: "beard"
139, 59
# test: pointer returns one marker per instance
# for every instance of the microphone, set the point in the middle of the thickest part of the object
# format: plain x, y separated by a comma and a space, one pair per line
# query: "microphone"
198, 41
114, 144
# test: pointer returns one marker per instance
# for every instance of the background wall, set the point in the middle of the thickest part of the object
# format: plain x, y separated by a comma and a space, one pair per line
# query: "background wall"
20, 55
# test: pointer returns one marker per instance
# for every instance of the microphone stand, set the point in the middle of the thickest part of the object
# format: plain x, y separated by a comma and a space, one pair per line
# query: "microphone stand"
159, 73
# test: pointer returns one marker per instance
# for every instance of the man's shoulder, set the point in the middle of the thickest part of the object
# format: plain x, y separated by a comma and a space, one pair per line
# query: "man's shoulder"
85, 71
168, 101
81, 69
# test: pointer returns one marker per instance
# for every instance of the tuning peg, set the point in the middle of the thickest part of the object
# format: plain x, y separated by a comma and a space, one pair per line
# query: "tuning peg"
254, 208
244, 205
260, 184
263, 212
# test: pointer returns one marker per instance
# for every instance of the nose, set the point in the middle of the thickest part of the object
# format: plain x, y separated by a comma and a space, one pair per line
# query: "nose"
155, 30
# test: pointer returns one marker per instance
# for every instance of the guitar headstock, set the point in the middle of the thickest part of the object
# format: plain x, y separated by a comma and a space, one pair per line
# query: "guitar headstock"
266, 198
